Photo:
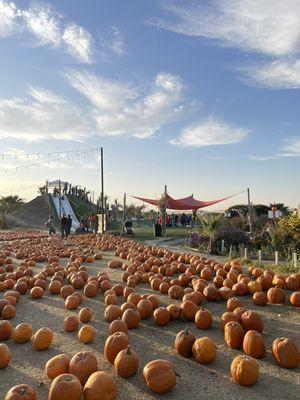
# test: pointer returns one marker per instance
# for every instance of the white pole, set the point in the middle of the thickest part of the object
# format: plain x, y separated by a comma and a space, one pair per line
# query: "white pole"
222, 246
295, 259
230, 251
259, 256
246, 253
276, 257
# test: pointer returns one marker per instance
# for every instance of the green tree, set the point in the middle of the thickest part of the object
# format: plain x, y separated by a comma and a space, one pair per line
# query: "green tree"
10, 203
209, 225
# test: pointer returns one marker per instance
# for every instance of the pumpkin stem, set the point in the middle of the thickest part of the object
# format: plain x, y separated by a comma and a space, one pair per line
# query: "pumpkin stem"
186, 331
179, 376
128, 350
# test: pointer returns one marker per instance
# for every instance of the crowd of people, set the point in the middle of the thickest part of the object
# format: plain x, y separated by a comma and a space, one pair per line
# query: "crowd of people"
173, 220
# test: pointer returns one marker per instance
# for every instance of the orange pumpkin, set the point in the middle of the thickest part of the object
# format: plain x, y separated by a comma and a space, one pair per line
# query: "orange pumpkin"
286, 353
21, 392
4, 355
82, 365
71, 323
22, 333
6, 330
86, 334
244, 370
159, 376
253, 344
43, 339
100, 385
203, 319
57, 365
204, 350
65, 387
184, 342
126, 363
114, 344
234, 334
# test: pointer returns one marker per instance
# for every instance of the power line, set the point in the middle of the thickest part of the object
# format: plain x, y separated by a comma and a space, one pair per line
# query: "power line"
21, 155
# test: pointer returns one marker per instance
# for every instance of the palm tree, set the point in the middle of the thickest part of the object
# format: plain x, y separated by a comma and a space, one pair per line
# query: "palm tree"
10, 203
116, 208
209, 225
139, 212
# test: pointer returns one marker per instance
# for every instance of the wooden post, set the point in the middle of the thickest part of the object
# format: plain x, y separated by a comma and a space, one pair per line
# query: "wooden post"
102, 191
242, 250
249, 211
259, 256
246, 253
295, 259
276, 257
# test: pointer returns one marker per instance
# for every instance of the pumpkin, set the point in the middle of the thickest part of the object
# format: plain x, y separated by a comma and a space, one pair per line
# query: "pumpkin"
72, 302
260, 298
90, 290
159, 376
66, 291
55, 287
203, 319
175, 292
253, 344
204, 350
154, 300
21, 392
126, 363
112, 312
161, 316
4, 355
22, 333
189, 309
227, 317
82, 365
286, 353
276, 295
145, 308
8, 312
234, 334
65, 387
71, 323
114, 344
210, 293
43, 338
86, 334
295, 299
233, 303
132, 318
244, 370
100, 385
253, 287
6, 330
36, 292
251, 320
85, 314
118, 325
57, 365
184, 342
174, 311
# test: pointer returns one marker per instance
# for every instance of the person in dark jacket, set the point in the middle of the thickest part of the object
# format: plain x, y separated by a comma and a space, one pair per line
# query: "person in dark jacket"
64, 226
69, 219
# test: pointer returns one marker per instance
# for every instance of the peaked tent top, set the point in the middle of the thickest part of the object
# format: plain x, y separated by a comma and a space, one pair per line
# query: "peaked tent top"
186, 203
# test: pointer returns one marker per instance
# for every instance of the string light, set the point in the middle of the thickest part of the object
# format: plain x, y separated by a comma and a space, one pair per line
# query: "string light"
18, 154
57, 157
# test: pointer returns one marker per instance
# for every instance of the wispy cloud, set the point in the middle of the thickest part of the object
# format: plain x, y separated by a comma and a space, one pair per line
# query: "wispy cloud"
126, 109
211, 132
263, 158
42, 115
279, 74
270, 28
112, 43
48, 28
291, 147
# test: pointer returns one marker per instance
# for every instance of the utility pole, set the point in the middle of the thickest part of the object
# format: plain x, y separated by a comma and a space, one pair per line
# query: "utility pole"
124, 211
102, 191
164, 213
249, 211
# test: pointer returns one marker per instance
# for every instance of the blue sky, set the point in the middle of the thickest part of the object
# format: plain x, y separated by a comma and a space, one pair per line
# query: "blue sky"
200, 95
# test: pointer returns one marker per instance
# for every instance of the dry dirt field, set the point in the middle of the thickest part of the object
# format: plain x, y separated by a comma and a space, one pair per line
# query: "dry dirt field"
150, 342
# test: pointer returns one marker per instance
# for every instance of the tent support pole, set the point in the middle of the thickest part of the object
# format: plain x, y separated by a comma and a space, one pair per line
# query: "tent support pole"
164, 213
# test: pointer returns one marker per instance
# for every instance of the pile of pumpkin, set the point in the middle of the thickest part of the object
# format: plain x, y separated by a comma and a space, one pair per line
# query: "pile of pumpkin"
157, 267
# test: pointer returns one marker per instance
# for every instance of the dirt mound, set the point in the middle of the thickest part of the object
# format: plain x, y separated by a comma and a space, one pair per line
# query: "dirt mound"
33, 214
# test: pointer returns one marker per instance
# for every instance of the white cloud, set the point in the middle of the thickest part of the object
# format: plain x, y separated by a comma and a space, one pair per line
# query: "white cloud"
263, 158
291, 147
266, 26
279, 74
124, 109
8, 15
78, 42
113, 43
48, 27
210, 132
44, 24
42, 115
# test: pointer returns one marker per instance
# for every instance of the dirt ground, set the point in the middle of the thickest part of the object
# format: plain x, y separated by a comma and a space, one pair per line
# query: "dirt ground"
150, 342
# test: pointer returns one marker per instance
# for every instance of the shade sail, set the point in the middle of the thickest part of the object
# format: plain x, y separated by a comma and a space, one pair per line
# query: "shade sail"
186, 203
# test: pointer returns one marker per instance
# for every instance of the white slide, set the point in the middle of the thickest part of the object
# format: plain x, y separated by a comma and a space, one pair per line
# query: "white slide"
63, 206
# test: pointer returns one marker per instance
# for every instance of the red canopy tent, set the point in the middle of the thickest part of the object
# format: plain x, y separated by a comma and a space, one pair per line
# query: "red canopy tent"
186, 203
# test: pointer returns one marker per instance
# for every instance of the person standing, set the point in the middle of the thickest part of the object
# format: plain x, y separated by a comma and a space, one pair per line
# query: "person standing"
69, 224
64, 226
50, 225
